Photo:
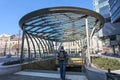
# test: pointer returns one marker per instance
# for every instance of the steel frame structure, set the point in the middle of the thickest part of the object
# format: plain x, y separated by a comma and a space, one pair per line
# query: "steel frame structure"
46, 27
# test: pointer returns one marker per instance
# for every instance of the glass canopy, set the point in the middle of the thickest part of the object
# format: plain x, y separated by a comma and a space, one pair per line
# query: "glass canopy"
61, 24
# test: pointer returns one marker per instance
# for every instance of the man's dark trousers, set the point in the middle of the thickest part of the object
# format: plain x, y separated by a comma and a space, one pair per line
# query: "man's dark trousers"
62, 69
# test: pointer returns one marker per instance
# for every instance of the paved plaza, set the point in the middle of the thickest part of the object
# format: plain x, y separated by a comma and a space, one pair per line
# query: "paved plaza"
24, 77
43, 75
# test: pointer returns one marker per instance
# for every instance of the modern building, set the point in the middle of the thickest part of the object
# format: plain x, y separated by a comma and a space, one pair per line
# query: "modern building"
115, 10
110, 30
115, 17
102, 7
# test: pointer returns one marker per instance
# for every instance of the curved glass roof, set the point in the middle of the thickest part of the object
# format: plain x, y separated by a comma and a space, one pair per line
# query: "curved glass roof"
61, 23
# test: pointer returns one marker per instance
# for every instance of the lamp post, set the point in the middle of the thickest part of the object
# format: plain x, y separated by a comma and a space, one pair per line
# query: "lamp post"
9, 47
18, 50
5, 48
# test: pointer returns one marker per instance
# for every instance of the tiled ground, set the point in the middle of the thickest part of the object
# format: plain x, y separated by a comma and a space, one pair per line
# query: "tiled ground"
25, 77
43, 75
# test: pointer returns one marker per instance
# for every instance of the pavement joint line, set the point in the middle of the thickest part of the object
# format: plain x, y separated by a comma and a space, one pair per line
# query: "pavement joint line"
52, 75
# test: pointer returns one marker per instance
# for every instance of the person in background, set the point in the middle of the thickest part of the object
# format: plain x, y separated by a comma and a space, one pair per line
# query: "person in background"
62, 59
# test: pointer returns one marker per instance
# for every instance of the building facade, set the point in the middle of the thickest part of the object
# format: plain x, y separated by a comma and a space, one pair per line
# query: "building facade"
9, 44
115, 18
110, 30
115, 10
102, 7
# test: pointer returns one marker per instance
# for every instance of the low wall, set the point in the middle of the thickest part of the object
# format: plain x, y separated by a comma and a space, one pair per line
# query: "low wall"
95, 74
48, 64
9, 69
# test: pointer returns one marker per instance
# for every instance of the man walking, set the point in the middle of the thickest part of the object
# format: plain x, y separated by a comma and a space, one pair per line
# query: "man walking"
62, 58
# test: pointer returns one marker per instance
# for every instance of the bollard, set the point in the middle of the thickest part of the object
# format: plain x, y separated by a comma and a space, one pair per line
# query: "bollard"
109, 70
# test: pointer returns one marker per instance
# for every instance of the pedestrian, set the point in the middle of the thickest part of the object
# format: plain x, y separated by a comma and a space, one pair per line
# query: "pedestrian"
62, 59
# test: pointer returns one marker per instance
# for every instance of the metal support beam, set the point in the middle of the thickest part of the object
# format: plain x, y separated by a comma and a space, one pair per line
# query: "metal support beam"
29, 53
50, 45
38, 46
41, 45
88, 43
47, 46
22, 47
53, 47
33, 46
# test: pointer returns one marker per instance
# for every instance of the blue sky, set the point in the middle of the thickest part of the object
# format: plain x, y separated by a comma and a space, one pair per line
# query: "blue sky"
12, 10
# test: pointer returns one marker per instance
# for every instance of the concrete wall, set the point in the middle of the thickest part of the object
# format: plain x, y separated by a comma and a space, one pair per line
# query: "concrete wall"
48, 64
9, 69
95, 74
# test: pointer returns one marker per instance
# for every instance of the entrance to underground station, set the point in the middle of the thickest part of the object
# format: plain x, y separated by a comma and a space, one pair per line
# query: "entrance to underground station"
45, 30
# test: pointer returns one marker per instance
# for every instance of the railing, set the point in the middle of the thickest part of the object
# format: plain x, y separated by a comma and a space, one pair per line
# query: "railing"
44, 56
74, 55
51, 56
74, 60
113, 76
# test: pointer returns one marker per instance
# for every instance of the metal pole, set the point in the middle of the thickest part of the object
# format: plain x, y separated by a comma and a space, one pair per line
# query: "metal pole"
56, 49
69, 48
5, 48
88, 42
22, 47
18, 50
